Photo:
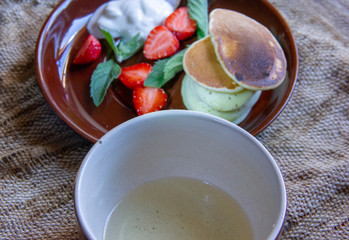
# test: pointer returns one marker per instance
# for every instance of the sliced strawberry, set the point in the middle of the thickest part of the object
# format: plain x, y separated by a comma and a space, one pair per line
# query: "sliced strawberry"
148, 99
160, 43
89, 51
181, 24
134, 76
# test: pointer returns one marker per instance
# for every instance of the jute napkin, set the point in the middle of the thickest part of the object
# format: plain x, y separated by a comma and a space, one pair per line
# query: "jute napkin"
40, 154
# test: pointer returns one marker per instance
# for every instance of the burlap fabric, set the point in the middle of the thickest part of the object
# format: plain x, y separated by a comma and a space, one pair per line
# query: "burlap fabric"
40, 154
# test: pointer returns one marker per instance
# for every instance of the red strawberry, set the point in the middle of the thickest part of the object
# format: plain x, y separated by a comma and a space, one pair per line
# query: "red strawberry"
148, 99
181, 24
160, 43
134, 76
90, 51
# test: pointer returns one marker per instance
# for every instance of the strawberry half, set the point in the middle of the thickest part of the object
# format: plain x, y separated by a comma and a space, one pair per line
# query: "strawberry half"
148, 99
89, 51
181, 24
160, 43
135, 75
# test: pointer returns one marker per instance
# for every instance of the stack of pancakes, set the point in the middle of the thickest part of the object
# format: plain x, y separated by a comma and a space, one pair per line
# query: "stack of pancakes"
227, 70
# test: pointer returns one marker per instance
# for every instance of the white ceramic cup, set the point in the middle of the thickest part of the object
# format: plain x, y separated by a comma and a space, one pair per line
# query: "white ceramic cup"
180, 143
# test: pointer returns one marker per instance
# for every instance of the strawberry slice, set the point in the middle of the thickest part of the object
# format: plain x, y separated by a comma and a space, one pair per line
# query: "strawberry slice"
181, 24
160, 43
89, 51
148, 99
135, 75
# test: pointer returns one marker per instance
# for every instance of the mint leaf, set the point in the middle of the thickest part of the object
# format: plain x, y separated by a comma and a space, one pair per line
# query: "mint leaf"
128, 49
198, 11
156, 76
111, 42
123, 50
164, 70
101, 79
174, 65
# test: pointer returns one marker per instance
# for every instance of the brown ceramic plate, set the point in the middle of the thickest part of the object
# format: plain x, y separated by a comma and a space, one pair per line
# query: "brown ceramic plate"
66, 86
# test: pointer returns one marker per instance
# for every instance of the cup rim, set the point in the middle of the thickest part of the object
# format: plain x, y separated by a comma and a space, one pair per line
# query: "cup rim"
277, 229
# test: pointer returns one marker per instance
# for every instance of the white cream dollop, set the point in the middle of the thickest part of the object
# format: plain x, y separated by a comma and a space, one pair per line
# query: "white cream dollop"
126, 18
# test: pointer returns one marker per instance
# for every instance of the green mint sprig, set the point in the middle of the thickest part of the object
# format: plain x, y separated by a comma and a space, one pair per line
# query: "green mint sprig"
101, 79
198, 11
123, 50
164, 70
174, 65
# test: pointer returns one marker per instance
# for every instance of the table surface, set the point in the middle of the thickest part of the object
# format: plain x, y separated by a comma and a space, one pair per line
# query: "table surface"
40, 154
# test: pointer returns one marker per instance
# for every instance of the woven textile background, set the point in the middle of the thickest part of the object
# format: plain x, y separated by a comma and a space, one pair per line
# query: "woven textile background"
40, 154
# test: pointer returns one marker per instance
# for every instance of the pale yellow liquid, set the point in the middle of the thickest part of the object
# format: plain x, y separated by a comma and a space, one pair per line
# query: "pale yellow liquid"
178, 208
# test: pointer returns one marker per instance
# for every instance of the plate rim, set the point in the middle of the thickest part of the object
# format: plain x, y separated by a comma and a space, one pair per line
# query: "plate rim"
290, 90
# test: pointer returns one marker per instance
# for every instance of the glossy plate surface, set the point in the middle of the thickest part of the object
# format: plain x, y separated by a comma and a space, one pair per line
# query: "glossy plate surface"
66, 86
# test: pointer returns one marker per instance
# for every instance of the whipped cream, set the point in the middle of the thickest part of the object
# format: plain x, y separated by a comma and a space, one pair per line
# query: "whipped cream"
126, 18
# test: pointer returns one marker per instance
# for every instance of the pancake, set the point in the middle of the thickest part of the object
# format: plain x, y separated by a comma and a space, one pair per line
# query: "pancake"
193, 102
246, 50
200, 62
222, 101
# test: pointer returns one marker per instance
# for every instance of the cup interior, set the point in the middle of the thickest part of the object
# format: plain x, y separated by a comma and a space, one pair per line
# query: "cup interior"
178, 143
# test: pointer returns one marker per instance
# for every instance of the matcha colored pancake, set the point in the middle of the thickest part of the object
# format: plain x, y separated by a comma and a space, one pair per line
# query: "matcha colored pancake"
200, 62
193, 102
222, 101
246, 50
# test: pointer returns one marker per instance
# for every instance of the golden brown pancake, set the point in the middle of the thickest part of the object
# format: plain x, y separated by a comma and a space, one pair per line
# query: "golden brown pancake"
247, 50
200, 62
